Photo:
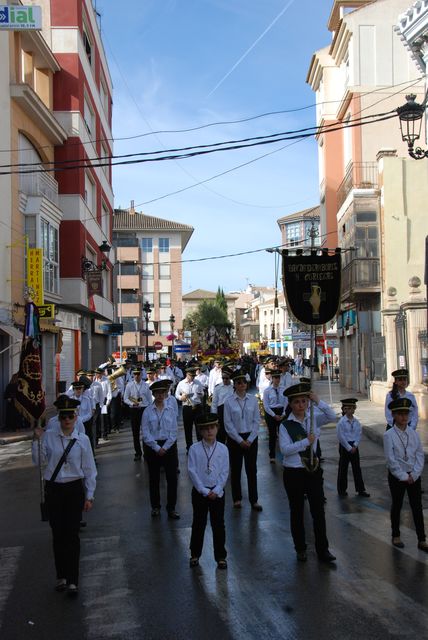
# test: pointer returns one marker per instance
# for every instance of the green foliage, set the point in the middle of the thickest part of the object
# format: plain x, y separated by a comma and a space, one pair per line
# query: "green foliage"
220, 300
207, 314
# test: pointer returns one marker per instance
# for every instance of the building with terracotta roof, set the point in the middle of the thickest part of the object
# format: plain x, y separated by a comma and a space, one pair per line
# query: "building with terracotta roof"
149, 270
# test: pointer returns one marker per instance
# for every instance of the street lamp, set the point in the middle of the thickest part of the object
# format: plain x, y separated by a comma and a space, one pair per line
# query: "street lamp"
147, 311
410, 115
171, 324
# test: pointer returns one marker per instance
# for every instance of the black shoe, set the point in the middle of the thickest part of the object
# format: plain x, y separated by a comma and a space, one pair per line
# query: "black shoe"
193, 562
82, 524
397, 543
364, 494
72, 590
222, 564
173, 515
155, 513
256, 507
301, 556
326, 557
137, 457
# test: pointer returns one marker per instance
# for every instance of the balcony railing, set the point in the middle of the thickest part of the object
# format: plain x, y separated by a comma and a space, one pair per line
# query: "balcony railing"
39, 184
360, 175
361, 275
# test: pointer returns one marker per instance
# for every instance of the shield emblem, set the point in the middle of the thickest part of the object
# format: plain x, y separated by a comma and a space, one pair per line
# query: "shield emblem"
312, 286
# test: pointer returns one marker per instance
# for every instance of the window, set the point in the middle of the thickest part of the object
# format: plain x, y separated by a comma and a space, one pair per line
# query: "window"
105, 220
164, 300
130, 324
164, 328
90, 193
104, 97
294, 235
147, 272
106, 160
49, 236
164, 271
129, 296
148, 297
88, 116
87, 44
366, 216
163, 245
125, 241
128, 269
147, 245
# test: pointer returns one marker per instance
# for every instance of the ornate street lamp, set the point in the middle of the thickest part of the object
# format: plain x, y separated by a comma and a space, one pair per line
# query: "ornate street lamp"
147, 311
410, 115
172, 324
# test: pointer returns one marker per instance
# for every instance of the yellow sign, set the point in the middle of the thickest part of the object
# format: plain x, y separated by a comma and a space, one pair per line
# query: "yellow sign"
35, 275
47, 311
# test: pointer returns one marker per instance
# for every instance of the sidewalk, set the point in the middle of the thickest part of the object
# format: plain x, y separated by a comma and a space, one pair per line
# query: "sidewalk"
370, 414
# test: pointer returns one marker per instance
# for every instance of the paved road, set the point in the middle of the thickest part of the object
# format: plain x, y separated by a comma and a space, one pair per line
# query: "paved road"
136, 583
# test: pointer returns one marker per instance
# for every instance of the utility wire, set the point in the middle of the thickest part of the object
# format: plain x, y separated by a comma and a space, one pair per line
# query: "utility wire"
202, 150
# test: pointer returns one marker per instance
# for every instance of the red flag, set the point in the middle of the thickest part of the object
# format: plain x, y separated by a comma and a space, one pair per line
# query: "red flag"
30, 395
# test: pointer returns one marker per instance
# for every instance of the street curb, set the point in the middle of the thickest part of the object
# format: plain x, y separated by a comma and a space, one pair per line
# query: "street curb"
18, 438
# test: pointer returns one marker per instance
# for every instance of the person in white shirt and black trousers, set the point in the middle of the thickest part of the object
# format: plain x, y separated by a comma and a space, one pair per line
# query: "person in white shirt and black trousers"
69, 488
349, 432
190, 393
302, 473
405, 461
159, 434
137, 397
274, 404
242, 423
208, 466
221, 392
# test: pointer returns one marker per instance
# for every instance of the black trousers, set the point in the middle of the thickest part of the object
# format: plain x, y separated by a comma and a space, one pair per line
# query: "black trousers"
189, 415
237, 455
398, 488
342, 473
65, 504
136, 415
272, 426
89, 430
169, 462
298, 483
201, 507
116, 412
221, 433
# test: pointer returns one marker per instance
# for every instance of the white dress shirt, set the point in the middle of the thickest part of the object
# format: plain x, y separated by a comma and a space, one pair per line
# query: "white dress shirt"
290, 450
159, 424
221, 392
273, 398
413, 413
403, 452
241, 415
193, 390
80, 460
97, 392
348, 430
136, 390
85, 409
213, 379
208, 466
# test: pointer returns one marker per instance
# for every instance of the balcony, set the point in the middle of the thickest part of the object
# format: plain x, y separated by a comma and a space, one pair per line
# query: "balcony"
360, 175
128, 254
361, 275
128, 282
39, 184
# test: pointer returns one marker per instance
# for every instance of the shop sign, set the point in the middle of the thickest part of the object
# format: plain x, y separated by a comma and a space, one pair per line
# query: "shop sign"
20, 18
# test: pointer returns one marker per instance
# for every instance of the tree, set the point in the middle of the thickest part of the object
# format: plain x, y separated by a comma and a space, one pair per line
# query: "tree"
220, 300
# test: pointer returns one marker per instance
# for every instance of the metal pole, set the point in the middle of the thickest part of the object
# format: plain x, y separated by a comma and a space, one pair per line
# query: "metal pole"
120, 311
146, 316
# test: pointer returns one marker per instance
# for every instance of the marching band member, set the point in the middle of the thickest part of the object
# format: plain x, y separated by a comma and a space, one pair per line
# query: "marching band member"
86, 409
208, 466
349, 432
221, 392
214, 377
301, 477
401, 381
159, 434
70, 480
274, 404
137, 397
405, 461
242, 422
190, 392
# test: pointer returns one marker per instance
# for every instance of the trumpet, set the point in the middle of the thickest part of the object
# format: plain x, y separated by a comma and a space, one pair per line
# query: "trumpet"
114, 376
135, 400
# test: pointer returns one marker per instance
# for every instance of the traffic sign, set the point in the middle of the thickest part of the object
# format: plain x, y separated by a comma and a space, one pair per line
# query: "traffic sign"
158, 345
182, 348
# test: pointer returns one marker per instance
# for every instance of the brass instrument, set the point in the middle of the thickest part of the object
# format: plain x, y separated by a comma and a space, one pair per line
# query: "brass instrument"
117, 374
135, 400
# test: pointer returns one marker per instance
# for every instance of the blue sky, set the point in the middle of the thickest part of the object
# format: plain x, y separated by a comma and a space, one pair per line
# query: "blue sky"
178, 64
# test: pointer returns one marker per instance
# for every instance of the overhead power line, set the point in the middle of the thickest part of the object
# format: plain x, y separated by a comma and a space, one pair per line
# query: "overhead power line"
205, 149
